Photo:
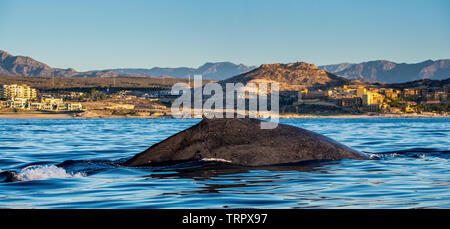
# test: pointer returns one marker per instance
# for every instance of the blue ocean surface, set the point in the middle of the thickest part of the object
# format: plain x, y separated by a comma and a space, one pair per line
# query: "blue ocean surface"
64, 163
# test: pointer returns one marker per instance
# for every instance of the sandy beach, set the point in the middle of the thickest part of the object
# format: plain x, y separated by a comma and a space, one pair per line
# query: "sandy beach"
35, 116
83, 115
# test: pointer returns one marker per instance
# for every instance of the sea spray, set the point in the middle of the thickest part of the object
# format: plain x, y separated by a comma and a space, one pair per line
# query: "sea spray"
40, 172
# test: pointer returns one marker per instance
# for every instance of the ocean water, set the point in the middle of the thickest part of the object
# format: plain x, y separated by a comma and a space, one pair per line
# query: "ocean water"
75, 164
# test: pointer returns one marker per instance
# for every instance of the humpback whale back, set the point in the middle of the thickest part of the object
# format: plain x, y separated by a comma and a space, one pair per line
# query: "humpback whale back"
243, 142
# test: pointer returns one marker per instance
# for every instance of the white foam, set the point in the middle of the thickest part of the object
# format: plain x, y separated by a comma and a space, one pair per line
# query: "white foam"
216, 159
39, 172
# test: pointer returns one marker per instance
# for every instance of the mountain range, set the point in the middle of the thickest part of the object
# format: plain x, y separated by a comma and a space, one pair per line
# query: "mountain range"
382, 71
27, 66
212, 71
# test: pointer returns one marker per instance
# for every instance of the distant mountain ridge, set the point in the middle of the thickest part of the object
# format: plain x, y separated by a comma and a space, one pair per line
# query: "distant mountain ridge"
384, 71
27, 66
212, 71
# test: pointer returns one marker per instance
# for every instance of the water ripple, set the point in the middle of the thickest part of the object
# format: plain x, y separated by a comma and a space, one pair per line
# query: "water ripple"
413, 170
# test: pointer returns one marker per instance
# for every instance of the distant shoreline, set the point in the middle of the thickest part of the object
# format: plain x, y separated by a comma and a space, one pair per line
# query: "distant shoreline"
35, 116
91, 115
371, 116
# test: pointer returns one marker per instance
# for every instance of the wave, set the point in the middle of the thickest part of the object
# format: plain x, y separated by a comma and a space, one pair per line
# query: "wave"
66, 169
413, 152
40, 172
83, 168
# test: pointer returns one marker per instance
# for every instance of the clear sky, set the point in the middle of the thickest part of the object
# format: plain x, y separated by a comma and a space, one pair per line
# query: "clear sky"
89, 34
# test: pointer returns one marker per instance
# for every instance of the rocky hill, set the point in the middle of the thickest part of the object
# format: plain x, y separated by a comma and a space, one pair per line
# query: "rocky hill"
291, 77
27, 66
390, 72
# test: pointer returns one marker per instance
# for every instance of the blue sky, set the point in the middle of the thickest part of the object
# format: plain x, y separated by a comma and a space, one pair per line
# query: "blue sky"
88, 35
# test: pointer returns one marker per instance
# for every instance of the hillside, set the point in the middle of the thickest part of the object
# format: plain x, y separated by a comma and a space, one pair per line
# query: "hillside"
426, 83
27, 66
291, 77
390, 72
49, 83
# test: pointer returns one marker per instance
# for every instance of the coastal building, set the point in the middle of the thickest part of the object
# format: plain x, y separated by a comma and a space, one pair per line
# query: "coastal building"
350, 102
47, 106
72, 95
49, 103
19, 103
35, 106
51, 100
361, 91
408, 92
408, 109
441, 96
370, 98
17, 91
390, 93
61, 107
69, 107
74, 107
346, 96
3, 104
